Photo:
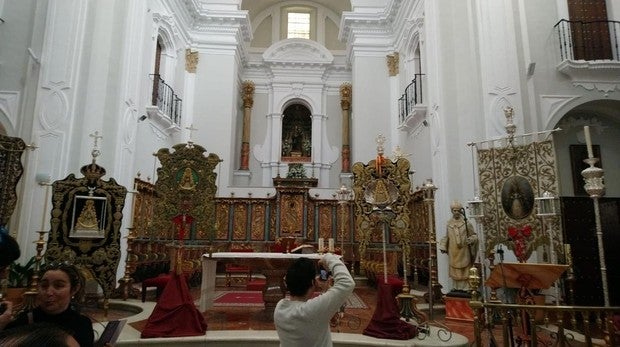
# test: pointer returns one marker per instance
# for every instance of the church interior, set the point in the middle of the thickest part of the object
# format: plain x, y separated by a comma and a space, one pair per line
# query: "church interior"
459, 157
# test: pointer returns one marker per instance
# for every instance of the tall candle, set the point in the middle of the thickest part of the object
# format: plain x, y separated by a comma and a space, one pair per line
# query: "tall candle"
331, 244
586, 131
321, 244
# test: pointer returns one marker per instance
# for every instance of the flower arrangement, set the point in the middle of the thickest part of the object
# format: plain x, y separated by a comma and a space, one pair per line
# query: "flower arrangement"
519, 237
296, 170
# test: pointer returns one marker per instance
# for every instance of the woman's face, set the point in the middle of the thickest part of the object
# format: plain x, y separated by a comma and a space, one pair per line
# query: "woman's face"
55, 292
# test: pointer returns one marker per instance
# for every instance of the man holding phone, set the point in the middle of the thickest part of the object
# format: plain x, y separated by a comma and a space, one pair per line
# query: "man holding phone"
302, 320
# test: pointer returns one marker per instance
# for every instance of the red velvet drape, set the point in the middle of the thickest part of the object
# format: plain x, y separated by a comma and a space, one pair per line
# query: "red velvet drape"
175, 314
386, 322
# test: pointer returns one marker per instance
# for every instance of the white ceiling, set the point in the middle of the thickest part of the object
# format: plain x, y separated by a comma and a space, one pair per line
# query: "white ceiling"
256, 6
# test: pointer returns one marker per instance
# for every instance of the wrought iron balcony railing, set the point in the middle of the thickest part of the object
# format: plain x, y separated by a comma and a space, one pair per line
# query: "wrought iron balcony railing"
166, 100
595, 40
411, 97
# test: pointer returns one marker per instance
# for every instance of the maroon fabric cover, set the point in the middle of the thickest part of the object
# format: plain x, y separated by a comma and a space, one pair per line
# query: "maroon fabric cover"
256, 285
386, 322
175, 314
160, 281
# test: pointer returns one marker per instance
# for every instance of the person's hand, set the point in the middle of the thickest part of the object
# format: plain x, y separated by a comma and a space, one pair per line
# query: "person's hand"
322, 263
7, 315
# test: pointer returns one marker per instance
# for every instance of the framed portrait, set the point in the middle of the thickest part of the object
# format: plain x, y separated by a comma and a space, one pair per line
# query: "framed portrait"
89, 217
517, 197
577, 154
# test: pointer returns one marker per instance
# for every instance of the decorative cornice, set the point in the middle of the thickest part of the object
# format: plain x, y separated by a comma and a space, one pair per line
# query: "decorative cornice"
298, 52
209, 17
602, 75
372, 23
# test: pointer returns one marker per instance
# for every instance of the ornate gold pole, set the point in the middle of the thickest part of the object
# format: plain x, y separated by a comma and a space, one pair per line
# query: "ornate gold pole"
434, 290
344, 195
345, 104
570, 274
248, 102
475, 303
31, 295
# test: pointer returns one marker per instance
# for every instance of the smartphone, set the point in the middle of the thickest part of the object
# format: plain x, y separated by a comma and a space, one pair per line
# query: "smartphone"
323, 275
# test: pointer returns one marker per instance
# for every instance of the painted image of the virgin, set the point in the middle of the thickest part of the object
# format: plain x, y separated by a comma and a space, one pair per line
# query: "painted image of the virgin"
517, 197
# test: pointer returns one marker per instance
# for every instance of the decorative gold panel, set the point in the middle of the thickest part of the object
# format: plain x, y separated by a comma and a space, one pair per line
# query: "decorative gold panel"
311, 228
510, 179
186, 185
223, 209
240, 219
325, 221
259, 211
144, 203
369, 231
98, 251
11, 170
291, 210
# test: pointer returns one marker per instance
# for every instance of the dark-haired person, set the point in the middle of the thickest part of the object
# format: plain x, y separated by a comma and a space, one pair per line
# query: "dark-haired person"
59, 284
302, 320
37, 334
9, 249
9, 252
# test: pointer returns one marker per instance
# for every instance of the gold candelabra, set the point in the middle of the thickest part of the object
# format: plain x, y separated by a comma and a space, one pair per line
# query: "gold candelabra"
434, 290
31, 294
344, 194
125, 289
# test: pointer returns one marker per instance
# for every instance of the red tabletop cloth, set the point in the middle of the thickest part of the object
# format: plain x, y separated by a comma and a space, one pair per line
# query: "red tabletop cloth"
175, 314
386, 322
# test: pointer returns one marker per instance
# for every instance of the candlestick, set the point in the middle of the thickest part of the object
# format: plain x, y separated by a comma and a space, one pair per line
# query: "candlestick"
404, 265
586, 132
330, 244
321, 244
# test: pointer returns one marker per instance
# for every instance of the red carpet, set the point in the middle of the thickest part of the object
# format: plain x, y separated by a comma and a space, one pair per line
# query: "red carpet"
238, 298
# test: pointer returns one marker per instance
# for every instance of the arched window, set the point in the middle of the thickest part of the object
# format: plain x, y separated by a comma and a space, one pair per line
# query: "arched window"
296, 134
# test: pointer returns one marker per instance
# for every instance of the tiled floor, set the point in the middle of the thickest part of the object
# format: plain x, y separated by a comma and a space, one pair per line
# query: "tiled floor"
252, 318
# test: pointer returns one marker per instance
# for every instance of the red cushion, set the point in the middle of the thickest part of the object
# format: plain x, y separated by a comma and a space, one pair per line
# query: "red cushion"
159, 281
242, 250
255, 285
237, 269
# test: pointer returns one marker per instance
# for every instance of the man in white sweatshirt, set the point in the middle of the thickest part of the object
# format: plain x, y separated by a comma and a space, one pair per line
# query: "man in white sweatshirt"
302, 320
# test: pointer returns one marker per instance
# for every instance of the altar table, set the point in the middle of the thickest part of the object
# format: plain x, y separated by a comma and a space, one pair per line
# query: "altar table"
271, 265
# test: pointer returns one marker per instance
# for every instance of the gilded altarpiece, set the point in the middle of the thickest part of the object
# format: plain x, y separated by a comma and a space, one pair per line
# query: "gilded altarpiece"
368, 230
86, 218
420, 236
11, 170
144, 203
186, 185
511, 177
292, 204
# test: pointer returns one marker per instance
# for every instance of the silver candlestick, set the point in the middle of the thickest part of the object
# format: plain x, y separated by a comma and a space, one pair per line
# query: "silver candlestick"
595, 187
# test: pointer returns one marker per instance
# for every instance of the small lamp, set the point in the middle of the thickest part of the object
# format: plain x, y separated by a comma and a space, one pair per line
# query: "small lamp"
343, 193
547, 205
429, 189
476, 207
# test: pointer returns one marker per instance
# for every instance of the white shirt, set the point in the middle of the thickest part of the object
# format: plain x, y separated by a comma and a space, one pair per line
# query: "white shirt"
306, 323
